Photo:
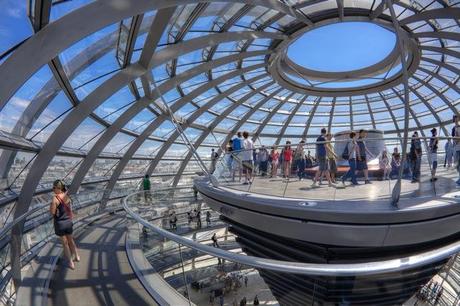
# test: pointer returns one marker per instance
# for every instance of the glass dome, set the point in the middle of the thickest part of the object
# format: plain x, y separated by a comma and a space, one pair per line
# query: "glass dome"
84, 98
90, 99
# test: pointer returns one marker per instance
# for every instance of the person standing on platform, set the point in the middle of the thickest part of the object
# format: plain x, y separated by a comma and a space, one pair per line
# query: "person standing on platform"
362, 157
350, 153
208, 218
287, 160
214, 157
198, 219
434, 153
321, 154
248, 163
173, 220
262, 157
237, 146
146, 187
332, 157
256, 301
274, 156
395, 162
449, 151
299, 159
415, 154
384, 164
61, 211
214, 240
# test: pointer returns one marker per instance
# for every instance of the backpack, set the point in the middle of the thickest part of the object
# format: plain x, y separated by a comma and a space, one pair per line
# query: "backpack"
346, 153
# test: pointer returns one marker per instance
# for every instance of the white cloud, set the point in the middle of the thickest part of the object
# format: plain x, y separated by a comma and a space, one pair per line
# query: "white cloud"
14, 12
19, 102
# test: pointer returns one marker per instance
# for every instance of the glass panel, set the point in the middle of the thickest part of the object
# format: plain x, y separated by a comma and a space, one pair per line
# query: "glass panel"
13, 110
14, 24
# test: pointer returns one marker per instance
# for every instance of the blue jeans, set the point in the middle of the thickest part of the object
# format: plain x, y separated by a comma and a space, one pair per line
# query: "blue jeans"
352, 172
416, 163
300, 165
263, 167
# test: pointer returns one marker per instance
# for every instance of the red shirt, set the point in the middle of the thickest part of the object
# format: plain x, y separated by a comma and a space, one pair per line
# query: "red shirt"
287, 154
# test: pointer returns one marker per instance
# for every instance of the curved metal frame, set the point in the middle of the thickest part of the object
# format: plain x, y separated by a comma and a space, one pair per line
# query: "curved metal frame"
334, 270
41, 49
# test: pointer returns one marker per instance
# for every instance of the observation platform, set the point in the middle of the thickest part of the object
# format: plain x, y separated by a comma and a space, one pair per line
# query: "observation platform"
103, 276
352, 216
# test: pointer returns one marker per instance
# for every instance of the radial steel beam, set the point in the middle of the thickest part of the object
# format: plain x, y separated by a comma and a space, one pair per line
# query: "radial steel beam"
206, 133
395, 122
431, 110
310, 117
397, 188
340, 9
142, 103
270, 115
202, 137
351, 114
443, 51
438, 35
134, 30
331, 115
156, 30
289, 119
438, 93
417, 122
306, 3
138, 142
371, 114
104, 91
49, 91
41, 13
39, 49
441, 13
248, 115
88, 105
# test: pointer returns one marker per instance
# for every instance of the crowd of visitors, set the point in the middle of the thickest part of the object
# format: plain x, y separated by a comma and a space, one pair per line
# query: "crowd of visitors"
229, 285
430, 293
245, 161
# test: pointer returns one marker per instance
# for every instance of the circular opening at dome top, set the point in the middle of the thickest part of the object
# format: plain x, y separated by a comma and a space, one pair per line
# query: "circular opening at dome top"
342, 47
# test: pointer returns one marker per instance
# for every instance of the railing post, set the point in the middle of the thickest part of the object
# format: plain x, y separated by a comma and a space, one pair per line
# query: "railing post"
397, 188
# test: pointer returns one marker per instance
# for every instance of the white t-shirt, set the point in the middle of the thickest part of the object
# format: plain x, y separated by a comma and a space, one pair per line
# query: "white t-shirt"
352, 149
248, 147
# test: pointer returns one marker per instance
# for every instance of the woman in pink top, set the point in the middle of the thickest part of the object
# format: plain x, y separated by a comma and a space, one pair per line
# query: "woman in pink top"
287, 159
275, 156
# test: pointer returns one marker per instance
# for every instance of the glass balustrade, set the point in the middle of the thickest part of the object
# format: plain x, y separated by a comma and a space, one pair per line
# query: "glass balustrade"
376, 174
203, 256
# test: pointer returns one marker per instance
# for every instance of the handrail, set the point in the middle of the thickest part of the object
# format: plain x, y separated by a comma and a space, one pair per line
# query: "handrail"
312, 143
367, 268
11, 224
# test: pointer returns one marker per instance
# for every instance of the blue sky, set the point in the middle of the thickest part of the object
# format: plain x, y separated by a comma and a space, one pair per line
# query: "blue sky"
338, 47
14, 23
342, 46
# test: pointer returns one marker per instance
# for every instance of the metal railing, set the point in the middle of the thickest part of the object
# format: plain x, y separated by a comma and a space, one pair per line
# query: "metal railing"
38, 230
228, 170
133, 203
